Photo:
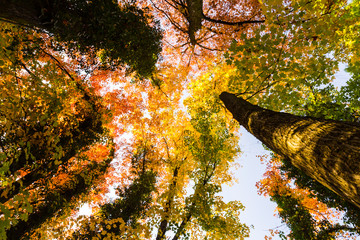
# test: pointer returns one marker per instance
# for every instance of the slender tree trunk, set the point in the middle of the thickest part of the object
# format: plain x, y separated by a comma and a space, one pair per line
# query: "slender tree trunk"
165, 220
181, 229
188, 215
327, 151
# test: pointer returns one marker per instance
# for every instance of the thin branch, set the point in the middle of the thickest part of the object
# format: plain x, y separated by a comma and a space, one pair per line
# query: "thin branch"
165, 220
172, 4
271, 229
263, 89
20, 95
167, 147
167, 42
59, 64
182, 226
210, 49
338, 228
169, 18
157, 84
203, 39
270, 74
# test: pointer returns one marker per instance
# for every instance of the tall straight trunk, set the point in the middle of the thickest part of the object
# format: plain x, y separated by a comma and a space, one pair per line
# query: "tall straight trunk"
165, 219
182, 226
28, 12
327, 151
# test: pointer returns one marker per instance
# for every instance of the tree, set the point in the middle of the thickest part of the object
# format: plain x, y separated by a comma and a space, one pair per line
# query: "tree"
117, 35
273, 69
325, 150
207, 146
203, 29
43, 109
54, 143
299, 47
305, 193
194, 153
116, 219
200, 153
64, 191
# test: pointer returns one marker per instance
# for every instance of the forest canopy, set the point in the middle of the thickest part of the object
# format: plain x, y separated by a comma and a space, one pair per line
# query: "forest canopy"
116, 105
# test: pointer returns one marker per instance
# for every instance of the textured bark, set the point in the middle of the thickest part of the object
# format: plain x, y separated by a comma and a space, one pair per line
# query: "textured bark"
327, 151
27, 12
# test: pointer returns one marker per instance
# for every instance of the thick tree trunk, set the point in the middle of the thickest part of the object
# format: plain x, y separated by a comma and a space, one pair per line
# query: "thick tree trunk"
327, 151
27, 12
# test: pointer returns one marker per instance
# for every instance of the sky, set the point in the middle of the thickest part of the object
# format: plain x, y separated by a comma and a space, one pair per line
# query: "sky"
259, 210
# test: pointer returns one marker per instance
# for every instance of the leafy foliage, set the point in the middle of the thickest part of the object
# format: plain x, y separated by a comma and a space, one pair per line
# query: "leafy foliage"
121, 35
43, 109
296, 217
70, 130
99, 29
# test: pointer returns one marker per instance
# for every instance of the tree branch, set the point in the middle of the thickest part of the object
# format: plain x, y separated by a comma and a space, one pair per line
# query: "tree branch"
232, 23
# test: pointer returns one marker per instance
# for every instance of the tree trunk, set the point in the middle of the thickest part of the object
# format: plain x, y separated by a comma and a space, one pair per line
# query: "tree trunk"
165, 220
326, 150
27, 12
195, 16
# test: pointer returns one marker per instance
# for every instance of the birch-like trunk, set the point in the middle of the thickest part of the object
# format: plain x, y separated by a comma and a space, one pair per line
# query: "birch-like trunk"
327, 151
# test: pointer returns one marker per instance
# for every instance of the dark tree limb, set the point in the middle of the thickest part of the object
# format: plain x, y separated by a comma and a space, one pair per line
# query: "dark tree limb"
240, 23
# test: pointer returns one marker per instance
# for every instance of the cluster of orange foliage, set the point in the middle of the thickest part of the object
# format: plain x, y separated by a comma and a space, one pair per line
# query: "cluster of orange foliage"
276, 182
